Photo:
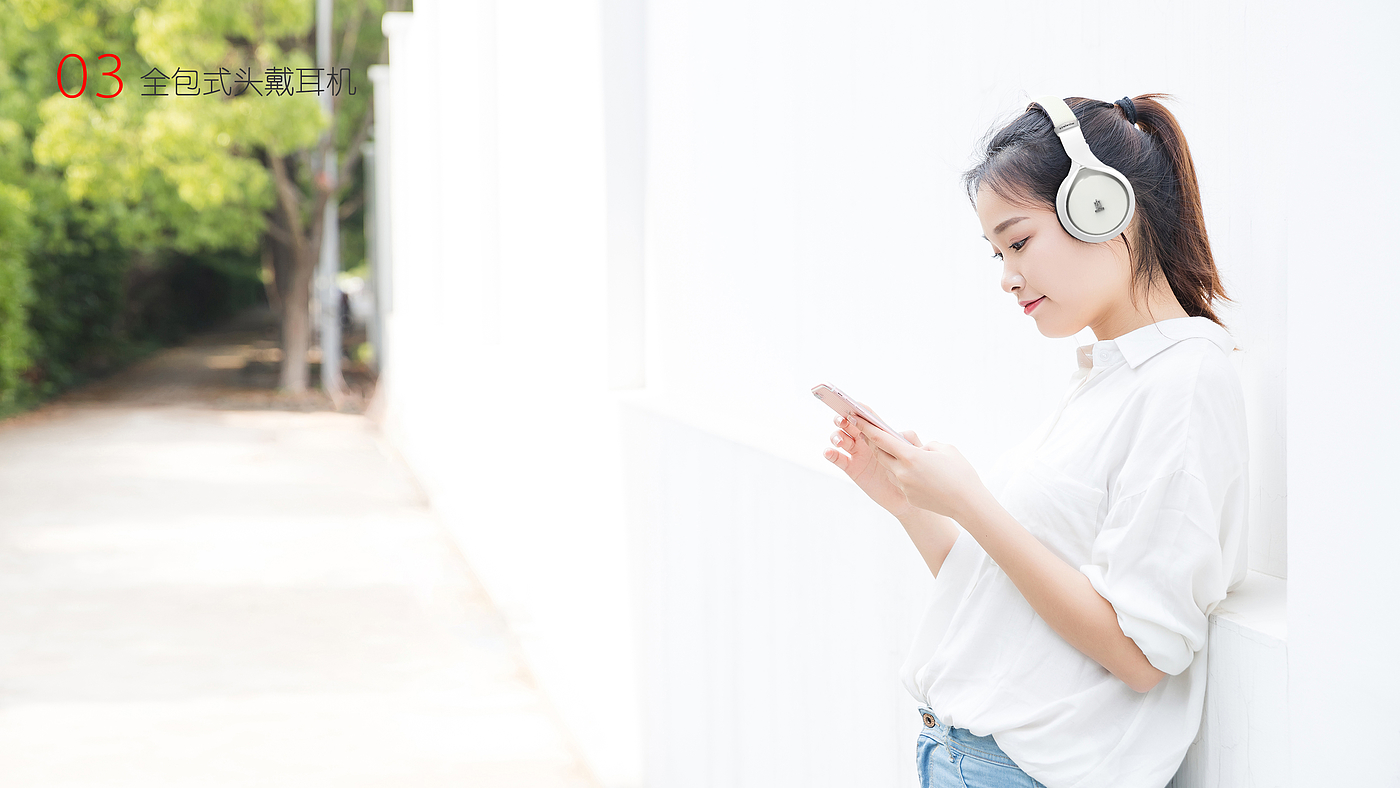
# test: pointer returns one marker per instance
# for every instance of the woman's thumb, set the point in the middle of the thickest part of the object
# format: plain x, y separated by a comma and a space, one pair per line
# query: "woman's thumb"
913, 438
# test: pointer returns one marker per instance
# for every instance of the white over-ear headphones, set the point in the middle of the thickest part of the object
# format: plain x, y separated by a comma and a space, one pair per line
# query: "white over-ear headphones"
1095, 202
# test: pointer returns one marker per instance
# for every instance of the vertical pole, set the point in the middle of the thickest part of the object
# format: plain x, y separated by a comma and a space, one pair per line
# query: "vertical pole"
329, 264
625, 141
383, 204
375, 326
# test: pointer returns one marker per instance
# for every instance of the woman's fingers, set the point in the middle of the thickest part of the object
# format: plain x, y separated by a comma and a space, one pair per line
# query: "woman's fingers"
847, 428
843, 440
867, 407
880, 442
849, 439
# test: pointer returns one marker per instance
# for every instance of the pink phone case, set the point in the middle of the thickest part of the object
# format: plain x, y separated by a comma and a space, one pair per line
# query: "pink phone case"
838, 401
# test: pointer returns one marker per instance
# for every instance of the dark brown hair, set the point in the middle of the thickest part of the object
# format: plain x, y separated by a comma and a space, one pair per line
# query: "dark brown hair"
1024, 162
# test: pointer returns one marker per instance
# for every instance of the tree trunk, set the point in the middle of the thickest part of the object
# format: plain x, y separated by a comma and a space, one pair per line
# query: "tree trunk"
296, 333
299, 262
296, 319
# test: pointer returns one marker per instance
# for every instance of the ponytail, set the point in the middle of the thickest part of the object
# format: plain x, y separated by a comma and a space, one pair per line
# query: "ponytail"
1024, 162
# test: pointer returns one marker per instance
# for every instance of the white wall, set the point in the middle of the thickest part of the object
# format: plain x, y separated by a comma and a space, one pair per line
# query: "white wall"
1342, 388
495, 389
709, 601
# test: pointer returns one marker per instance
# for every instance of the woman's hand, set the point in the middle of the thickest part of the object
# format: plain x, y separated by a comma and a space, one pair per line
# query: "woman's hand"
935, 477
868, 474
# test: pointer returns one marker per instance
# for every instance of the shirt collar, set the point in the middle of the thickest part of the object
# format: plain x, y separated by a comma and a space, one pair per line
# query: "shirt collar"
1140, 344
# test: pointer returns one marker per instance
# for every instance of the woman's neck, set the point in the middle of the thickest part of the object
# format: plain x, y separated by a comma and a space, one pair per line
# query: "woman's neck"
1160, 307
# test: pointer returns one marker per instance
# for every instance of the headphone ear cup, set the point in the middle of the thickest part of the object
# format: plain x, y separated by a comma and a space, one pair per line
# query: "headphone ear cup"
1095, 203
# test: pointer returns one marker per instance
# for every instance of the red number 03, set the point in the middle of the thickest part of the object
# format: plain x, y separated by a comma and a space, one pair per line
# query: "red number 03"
112, 74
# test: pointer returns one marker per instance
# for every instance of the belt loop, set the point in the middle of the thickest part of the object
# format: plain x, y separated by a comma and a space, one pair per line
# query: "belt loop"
948, 739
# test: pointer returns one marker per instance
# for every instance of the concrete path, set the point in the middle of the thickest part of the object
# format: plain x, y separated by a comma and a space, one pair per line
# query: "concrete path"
194, 594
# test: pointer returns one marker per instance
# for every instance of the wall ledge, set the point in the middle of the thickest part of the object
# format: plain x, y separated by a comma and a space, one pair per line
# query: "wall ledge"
1257, 609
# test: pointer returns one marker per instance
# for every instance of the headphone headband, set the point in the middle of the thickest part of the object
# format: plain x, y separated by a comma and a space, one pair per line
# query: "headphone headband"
1095, 202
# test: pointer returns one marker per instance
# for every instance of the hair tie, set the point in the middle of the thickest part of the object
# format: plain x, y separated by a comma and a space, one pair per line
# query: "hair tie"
1128, 109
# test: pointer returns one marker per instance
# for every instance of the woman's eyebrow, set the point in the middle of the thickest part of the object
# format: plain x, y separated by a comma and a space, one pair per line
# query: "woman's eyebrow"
1005, 225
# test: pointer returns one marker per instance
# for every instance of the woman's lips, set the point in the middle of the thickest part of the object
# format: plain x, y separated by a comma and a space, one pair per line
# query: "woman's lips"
1032, 304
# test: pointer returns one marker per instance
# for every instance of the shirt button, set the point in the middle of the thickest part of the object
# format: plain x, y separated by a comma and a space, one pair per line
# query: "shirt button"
929, 721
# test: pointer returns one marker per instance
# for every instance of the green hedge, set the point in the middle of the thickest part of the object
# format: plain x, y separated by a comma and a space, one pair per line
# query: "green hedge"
16, 294
76, 308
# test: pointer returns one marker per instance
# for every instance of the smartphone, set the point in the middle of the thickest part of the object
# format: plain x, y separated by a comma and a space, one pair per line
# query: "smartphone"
837, 400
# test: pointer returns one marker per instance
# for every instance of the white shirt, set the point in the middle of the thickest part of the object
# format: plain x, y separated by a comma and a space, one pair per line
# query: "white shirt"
1140, 480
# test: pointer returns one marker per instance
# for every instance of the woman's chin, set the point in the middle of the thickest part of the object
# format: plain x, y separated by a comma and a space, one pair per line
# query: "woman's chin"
1054, 330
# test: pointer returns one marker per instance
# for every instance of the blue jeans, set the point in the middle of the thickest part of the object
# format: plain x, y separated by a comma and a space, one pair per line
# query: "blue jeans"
954, 758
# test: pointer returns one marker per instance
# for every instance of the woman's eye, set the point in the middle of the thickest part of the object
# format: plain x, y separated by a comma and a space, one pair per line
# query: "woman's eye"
1017, 246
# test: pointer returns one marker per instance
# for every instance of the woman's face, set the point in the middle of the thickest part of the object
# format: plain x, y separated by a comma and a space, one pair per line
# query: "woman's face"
1078, 284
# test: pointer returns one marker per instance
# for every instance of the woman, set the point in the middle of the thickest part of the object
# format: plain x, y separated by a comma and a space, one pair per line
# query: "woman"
1065, 644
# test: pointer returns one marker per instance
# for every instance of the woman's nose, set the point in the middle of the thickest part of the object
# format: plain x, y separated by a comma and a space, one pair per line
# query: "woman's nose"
1010, 280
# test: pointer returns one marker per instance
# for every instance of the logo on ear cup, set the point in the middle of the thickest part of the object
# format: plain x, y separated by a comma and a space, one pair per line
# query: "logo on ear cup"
1096, 204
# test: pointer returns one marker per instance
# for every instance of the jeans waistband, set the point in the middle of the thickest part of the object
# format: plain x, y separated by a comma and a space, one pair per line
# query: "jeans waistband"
961, 739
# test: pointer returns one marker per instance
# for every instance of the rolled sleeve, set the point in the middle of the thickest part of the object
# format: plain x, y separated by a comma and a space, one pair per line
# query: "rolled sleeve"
1158, 560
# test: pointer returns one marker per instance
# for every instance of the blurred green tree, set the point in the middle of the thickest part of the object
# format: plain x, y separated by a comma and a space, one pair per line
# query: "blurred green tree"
219, 164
